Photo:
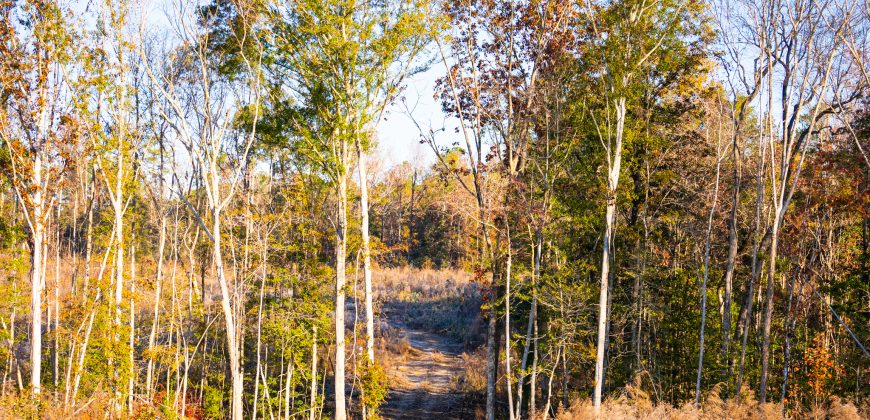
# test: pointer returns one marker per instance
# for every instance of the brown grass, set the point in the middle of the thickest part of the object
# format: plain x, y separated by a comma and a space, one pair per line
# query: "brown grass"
15, 405
473, 377
636, 404
442, 301
409, 283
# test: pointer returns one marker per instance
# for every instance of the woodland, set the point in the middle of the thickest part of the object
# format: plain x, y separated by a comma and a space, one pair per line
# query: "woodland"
626, 209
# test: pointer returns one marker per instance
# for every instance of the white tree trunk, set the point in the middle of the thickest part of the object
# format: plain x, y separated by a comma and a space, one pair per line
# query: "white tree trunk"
507, 324
340, 279
149, 374
313, 398
36, 279
232, 347
614, 157
132, 380
706, 276
366, 250
36, 309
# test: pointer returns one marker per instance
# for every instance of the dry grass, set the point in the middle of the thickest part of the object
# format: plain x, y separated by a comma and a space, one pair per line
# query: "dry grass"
15, 405
636, 404
473, 377
408, 283
392, 351
442, 301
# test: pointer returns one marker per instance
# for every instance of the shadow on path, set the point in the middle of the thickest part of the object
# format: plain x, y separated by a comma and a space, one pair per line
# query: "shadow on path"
423, 386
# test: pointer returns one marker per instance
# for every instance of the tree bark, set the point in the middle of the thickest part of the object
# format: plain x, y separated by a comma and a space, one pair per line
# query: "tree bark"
730, 262
366, 251
132, 379
704, 281
226, 306
614, 166
531, 328
768, 311
746, 315
313, 395
340, 279
36, 280
149, 373
507, 322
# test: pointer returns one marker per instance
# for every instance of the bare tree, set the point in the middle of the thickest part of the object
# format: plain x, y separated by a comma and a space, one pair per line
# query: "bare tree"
38, 130
204, 130
806, 62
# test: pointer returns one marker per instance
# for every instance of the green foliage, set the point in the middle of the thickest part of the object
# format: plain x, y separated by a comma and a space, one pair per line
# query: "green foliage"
212, 404
375, 387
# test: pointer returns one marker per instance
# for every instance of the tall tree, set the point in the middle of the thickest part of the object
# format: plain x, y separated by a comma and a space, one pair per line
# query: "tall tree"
626, 38
343, 62
807, 63
206, 108
38, 129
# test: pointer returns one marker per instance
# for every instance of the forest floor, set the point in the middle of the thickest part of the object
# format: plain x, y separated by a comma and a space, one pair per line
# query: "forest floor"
423, 385
429, 344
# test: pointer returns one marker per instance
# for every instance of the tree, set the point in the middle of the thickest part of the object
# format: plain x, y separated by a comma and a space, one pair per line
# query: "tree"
342, 63
192, 74
38, 129
110, 69
626, 38
806, 62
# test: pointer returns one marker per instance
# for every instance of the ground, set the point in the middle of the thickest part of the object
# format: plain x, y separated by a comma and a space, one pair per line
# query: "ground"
427, 361
423, 386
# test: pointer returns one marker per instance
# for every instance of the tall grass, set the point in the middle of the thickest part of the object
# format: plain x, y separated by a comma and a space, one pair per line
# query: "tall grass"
441, 301
634, 403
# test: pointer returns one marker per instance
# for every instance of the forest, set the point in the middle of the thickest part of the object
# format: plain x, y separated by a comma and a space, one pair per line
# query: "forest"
652, 209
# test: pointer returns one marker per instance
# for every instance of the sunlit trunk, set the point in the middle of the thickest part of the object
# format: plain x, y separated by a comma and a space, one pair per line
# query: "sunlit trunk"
36, 280
366, 251
614, 166
312, 402
340, 279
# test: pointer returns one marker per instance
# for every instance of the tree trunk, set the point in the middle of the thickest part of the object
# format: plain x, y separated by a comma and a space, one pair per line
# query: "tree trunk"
704, 281
366, 251
259, 340
746, 315
729, 264
340, 257
531, 333
226, 306
507, 322
614, 167
36, 280
768, 311
313, 398
132, 379
118, 207
533, 382
789, 330
55, 329
602, 303
287, 384
149, 373
546, 411
491, 362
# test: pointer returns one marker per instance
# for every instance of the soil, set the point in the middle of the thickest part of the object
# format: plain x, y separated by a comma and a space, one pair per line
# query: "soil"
424, 385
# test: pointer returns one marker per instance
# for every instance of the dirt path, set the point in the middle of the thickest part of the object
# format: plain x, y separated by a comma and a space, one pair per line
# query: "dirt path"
423, 385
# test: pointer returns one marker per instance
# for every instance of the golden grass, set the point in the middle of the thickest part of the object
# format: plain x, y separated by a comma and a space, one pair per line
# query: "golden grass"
636, 404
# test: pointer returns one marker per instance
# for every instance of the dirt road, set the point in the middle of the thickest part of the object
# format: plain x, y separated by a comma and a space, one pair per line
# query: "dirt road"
423, 386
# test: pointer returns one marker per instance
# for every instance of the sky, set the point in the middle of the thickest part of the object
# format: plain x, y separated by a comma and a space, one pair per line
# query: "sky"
398, 136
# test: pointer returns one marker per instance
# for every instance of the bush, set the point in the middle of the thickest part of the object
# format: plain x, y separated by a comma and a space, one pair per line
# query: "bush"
374, 386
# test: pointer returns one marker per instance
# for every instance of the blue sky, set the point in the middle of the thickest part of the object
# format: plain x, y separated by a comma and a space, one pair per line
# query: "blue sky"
398, 137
